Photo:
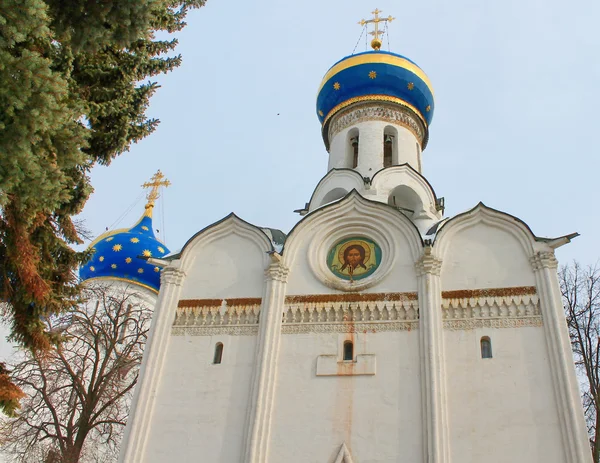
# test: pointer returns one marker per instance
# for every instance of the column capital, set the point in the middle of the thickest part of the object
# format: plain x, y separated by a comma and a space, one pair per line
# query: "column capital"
543, 259
172, 276
276, 271
428, 263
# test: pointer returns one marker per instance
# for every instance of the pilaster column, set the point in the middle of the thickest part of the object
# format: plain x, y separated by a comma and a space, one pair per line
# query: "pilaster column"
566, 388
433, 376
267, 352
140, 414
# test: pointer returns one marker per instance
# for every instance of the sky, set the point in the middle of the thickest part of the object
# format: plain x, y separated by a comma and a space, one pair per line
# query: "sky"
516, 88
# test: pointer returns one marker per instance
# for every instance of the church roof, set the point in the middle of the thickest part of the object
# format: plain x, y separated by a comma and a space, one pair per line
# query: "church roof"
122, 255
379, 76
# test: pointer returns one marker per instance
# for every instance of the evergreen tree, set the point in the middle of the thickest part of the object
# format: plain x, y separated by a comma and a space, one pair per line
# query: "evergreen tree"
70, 97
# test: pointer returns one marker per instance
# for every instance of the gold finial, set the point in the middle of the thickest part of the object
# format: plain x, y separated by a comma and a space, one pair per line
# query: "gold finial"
157, 180
376, 42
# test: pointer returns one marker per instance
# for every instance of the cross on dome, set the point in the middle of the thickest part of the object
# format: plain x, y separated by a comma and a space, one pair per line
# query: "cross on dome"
376, 42
157, 180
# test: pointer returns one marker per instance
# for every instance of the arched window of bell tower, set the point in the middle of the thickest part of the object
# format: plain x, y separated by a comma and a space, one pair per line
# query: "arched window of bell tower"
406, 200
333, 195
390, 146
352, 148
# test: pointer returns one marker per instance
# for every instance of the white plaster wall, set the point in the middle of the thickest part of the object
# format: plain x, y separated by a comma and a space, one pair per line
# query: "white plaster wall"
370, 147
501, 409
484, 256
378, 417
230, 266
200, 410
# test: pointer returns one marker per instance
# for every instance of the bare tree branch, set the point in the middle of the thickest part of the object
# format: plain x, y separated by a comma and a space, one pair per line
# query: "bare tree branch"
580, 289
78, 394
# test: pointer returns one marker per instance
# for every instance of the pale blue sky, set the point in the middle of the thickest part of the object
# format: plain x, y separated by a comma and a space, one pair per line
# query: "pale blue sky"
516, 85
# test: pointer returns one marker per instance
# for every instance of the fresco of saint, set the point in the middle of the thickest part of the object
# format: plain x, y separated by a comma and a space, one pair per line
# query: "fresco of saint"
354, 258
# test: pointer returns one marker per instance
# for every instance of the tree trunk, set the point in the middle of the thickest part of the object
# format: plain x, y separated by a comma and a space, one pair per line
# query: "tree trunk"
596, 441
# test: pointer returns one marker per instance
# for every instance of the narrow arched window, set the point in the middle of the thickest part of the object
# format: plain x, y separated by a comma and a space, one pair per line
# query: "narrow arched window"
388, 143
218, 353
486, 348
354, 143
348, 351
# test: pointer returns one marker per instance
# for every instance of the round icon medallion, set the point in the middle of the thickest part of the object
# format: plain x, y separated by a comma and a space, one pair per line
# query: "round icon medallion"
354, 258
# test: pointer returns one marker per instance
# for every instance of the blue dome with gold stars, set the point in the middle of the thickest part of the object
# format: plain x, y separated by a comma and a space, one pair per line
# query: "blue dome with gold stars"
375, 76
121, 255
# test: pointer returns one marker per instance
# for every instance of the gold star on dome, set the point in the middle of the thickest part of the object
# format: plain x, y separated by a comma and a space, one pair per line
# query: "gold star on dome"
336, 86
321, 113
113, 265
117, 247
372, 75
147, 253
140, 270
411, 85
135, 240
156, 269
128, 260
161, 249
92, 269
101, 259
428, 108
145, 228
109, 239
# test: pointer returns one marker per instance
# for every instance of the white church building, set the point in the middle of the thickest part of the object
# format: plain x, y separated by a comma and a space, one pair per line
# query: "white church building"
376, 330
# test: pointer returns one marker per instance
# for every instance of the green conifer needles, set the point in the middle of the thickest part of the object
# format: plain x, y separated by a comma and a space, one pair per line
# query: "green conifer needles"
70, 97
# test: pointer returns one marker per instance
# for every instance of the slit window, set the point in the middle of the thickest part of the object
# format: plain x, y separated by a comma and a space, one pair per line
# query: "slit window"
486, 348
218, 353
348, 351
354, 143
388, 143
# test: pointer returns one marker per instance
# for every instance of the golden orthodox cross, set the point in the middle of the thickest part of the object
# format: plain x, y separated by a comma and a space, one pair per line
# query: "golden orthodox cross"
376, 42
157, 180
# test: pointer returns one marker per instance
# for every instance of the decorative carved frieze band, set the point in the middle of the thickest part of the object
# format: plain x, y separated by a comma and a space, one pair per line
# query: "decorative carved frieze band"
393, 114
197, 317
367, 312
212, 330
348, 317
494, 311
319, 313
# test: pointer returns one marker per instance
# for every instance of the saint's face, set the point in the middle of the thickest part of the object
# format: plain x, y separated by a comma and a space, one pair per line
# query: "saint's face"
354, 257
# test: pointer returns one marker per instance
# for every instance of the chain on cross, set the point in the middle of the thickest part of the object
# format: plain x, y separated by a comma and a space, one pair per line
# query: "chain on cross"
376, 42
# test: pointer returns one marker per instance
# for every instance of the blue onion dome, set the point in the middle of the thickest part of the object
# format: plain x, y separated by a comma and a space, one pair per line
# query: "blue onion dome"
375, 76
120, 255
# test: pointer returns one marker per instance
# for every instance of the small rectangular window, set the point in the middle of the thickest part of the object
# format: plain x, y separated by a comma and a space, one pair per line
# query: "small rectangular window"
348, 351
218, 353
388, 143
486, 348
354, 142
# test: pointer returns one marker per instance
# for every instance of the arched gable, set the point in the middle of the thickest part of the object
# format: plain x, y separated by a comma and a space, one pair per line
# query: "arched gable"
308, 243
225, 259
485, 248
